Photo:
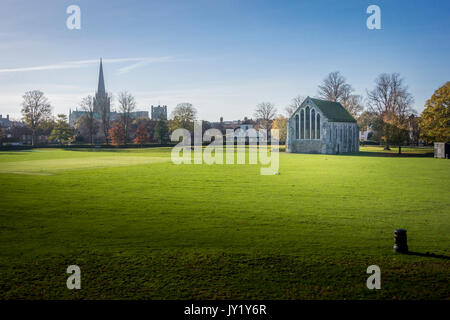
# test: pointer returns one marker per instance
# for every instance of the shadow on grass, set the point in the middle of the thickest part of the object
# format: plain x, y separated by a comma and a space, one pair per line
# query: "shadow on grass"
427, 255
114, 149
17, 153
389, 154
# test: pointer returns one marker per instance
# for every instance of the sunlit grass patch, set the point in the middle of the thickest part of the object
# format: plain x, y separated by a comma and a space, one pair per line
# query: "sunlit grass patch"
141, 227
57, 165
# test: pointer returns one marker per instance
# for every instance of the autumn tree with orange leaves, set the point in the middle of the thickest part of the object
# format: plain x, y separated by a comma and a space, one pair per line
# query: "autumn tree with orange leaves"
141, 135
116, 133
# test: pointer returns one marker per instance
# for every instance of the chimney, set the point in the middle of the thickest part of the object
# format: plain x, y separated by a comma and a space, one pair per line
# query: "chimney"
221, 119
1, 116
7, 117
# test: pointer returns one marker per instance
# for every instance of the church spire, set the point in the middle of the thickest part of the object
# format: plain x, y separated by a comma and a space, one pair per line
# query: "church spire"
101, 100
101, 81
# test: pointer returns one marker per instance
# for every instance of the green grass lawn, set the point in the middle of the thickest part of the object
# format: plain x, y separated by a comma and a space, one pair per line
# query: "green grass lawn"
141, 227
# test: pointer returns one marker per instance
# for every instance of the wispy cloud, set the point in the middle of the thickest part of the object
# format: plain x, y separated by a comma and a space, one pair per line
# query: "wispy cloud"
143, 62
138, 62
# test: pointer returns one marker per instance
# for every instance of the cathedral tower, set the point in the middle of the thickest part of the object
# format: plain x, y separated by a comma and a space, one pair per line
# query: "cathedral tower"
102, 103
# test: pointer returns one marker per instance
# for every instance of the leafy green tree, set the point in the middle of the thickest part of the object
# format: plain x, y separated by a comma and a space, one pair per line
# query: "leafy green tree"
62, 131
46, 127
183, 116
281, 123
366, 120
35, 110
371, 121
434, 122
161, 131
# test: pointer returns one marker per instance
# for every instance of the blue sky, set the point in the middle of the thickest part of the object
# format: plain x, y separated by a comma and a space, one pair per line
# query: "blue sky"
223, 56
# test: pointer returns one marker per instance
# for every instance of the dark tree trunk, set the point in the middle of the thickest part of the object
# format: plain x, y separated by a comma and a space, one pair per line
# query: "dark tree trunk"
386, 135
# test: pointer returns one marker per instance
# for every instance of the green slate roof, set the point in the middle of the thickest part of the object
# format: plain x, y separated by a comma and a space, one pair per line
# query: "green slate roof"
334, 111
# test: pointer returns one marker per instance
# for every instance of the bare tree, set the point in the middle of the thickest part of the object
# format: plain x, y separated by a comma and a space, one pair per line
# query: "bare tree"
391, 101
87, 105
295, 103
35, 110
335, 88
265, 112
127, 104
354, 105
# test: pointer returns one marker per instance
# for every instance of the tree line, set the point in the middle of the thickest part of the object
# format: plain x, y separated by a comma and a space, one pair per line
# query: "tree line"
120, 131
90, 128
386, 110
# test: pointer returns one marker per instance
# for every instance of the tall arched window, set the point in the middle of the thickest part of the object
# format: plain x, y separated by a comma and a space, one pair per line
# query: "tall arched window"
350, 135
345, 136
308, 126
318, 126
296, 126
302, 124
350, 138
313, 124
330, 132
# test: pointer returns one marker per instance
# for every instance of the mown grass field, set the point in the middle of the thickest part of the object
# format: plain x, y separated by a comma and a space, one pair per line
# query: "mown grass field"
141, 227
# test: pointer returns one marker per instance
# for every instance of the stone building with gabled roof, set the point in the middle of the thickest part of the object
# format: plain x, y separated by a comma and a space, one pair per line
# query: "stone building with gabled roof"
321, 126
